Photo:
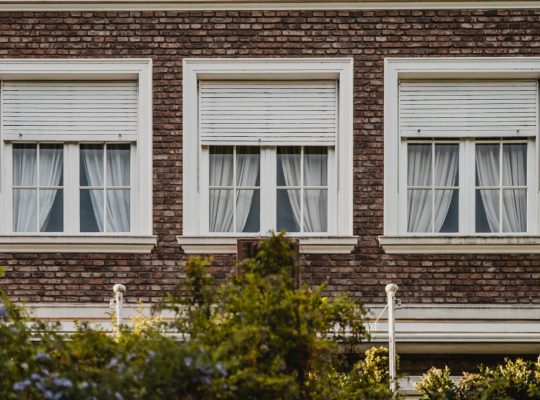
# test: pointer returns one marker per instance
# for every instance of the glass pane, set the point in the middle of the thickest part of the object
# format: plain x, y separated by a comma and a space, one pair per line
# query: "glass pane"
92, 205
446, 209
315, 166
419, 165
419, 211
247, 166
514, 164
248, 211
487, 164
288, 166
91, 165
221, 210
51, 210
24, 165
288, 210
315, 211
221, 166
25, 210
118, 210
118, 165
487, 211
446, 165
514, 210
51, 165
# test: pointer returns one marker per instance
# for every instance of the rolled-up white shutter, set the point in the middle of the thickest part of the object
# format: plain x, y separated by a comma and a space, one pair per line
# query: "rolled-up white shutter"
78, 111
268, 112
471, 108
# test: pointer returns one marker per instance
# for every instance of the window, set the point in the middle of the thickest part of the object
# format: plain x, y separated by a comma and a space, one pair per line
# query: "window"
76, 151
460, 156
272, 141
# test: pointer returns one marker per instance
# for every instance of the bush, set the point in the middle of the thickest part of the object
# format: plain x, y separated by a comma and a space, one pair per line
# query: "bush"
255, 337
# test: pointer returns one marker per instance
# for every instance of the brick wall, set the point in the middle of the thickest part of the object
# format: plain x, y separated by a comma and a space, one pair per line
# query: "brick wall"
369, 37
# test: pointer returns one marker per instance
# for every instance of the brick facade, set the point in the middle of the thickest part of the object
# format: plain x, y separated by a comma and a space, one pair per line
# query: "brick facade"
369, 37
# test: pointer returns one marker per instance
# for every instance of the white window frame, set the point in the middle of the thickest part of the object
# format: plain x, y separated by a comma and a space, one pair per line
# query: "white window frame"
396, 240
140, 238
196, 238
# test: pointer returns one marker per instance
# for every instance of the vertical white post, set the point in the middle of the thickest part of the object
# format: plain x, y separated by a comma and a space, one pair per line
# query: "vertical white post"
119, 291
391, 290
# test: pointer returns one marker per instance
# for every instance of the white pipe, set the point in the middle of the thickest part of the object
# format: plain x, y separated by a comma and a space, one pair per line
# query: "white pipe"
119, 291
391, 290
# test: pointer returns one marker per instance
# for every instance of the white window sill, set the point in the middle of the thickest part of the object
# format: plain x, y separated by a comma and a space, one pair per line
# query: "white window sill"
22, 243
227, 245
460, 244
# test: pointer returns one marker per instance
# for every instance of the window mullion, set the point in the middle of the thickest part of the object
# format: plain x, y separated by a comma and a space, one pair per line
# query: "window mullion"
235, 189
71, 189
500, 186
268, 189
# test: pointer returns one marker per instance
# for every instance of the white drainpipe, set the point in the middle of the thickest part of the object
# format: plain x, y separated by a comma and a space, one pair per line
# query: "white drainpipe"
391, 290
119, 291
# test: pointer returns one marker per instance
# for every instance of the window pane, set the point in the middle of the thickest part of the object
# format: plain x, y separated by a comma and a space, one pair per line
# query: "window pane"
91, 165
25, 165
247, 166
92, 205
221, 166
51, 165
446, 218
118, 157
514, 164
288, 210
248, 211
288, 166
487, 211
487, 164
315, 210
514, 210
419, 165
419, 207
446, 165
51, 210
118, 210
315, 166
25, 210
221, 210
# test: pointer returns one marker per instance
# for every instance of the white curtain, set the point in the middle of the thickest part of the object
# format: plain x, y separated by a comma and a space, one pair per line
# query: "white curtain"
291, 166
93, 167
118, 200
487, 174
24, 200
316, 201
419, 201
51, 165
247, 170
515, 201
446, 170
221, 201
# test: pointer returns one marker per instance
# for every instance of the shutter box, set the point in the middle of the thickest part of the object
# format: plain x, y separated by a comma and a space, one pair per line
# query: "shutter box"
468, 108
69, 111
268, 113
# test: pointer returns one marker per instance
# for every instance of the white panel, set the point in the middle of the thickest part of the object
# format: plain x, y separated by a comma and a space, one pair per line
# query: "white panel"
58, 110
273, 112
472, 108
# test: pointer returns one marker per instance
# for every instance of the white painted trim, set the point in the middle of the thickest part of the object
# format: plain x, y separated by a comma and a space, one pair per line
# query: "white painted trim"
77, 244
194, 69
227, 245
460, 244
202, 5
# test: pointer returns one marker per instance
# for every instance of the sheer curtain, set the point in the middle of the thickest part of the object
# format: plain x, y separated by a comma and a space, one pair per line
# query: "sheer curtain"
291, 165
24, 200
514, 200
487, 174
221, 201
316, 200
419, 201
247, 171
51, 165
446, 171
93, 167
118, 200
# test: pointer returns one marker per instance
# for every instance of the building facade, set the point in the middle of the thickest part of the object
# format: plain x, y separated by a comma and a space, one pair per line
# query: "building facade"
397, 141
